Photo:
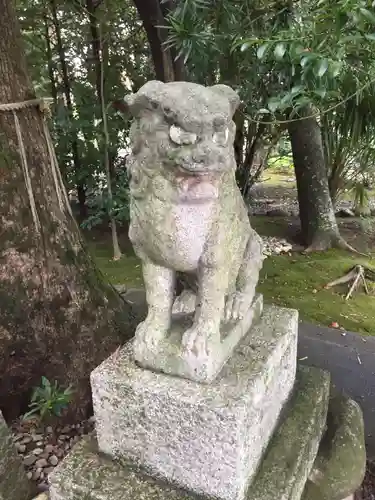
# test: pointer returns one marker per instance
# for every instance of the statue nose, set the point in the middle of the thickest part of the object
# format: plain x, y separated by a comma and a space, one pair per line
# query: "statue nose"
201, 155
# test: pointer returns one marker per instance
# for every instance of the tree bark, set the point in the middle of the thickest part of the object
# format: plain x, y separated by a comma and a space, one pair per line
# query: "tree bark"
153, 16
58, 318
318, 222
80, 185
51, 68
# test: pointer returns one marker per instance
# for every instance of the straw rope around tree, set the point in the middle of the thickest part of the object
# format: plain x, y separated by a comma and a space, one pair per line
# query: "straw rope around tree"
43, 105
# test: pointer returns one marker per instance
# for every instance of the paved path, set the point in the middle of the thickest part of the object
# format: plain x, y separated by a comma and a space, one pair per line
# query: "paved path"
351, 361
350, 358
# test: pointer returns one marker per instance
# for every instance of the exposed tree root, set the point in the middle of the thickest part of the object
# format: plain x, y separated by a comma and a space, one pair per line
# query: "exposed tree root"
343, 245
323, 245
357, 275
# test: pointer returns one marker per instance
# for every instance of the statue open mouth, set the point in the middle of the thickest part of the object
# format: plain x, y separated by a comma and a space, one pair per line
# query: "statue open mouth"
197, 185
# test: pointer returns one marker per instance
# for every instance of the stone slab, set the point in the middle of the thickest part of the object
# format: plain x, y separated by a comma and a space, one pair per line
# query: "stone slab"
13, 481
206, 438
167, 357
294, 446
87, 475
84, 474
340, 465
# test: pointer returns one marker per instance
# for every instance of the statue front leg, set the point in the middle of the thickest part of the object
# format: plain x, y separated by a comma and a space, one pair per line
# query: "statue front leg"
202, 338
159, 283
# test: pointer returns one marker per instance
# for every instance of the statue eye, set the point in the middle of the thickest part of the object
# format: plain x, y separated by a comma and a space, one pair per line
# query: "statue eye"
180, 136
221, 138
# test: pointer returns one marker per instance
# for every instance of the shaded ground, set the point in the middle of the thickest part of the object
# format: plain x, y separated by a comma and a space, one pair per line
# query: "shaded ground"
360, 233
367, 491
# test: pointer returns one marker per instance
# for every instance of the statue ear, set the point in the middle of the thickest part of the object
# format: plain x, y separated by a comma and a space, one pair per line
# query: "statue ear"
145, 98
229, 93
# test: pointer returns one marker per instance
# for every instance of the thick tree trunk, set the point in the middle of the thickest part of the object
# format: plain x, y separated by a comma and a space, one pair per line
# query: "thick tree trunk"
57, 316
81, 188
318, 222
152, 15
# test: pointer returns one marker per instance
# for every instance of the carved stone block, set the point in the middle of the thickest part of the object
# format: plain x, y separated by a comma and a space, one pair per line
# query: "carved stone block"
206, 438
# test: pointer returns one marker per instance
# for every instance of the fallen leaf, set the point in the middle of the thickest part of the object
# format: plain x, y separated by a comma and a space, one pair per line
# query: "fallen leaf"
334, 324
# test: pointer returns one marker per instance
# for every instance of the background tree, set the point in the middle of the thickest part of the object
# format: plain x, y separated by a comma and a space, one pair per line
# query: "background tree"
293, 57
168, 64
57, 316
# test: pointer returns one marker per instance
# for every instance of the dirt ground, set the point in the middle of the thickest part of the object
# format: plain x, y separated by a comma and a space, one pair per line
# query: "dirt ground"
358, 232
367, 491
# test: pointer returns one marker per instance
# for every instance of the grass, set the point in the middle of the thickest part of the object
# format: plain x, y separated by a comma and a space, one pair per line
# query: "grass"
125, 271
277, 179
297, 281
294, 281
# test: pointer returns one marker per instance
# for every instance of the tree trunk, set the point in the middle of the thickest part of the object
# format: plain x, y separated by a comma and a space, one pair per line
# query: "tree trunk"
100, 57
239, 138
254, 160
51, 68
81, 188
318, 222
152, 15
58, 318
95, 46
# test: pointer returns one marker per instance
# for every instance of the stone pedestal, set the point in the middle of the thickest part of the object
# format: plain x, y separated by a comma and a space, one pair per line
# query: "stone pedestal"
256, 433
208, 439
13, 481
87, 475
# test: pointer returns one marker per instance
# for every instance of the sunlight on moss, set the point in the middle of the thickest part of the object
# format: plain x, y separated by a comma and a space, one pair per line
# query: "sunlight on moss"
297, 281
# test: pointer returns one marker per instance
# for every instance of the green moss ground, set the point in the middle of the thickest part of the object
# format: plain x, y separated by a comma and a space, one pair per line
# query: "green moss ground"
295, 281
125, 271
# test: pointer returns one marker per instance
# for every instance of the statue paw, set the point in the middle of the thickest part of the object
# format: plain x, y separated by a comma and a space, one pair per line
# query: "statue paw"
148, 334
236, 306
185, 302
198, 340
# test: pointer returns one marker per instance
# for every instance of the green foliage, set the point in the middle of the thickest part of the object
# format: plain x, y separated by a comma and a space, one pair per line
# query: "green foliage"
101, 207
347, 133
281, 165
361, 200
126, 60
280, 56
285, 57
48, 399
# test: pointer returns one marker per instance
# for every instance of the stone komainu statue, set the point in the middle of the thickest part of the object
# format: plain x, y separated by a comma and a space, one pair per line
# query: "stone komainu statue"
187, 215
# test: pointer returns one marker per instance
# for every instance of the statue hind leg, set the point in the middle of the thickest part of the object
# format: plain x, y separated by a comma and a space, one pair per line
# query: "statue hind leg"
238, 303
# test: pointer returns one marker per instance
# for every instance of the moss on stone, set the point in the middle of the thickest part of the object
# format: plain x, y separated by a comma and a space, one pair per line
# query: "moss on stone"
87, 475
341, 461
292, 451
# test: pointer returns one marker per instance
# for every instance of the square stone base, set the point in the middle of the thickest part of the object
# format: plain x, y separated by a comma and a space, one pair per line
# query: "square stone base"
86, 475
208, 439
